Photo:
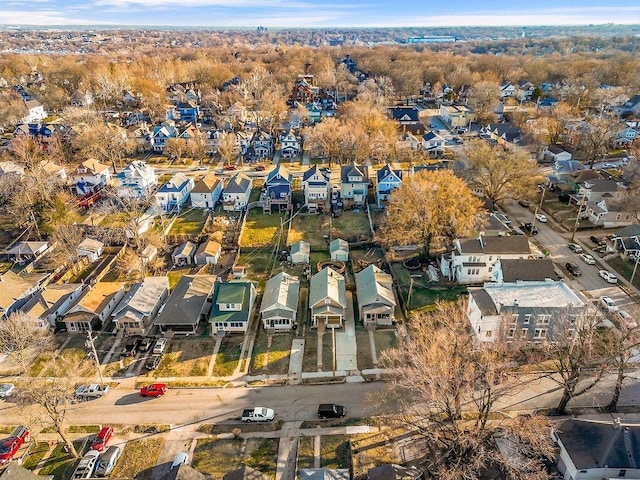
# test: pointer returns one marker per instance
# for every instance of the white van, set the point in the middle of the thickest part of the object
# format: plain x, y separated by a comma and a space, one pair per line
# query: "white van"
107, 461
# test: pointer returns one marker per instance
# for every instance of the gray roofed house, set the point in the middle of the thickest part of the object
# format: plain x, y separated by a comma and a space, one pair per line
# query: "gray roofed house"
27, 251
52, 302
327, 298
627, 240
232, 306
90, 248
94, 306
300, 252
236, 193
15, 290
137, 310
376, 300
595, 449
245, 473
339, 250
208, 253
279, 306
324, 474
183, 254
510, 271
187, 305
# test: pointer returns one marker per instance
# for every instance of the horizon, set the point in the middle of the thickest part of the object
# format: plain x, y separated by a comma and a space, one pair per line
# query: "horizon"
314, 14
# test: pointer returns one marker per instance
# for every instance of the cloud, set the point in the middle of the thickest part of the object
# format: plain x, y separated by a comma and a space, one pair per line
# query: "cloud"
43, 17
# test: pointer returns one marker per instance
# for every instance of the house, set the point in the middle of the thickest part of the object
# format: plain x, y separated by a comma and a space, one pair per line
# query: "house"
457, 115
629, 108
23, 252
161, 133
327, 299
235, 195
237, 113
183, 254
339, 250
52, 302
387, 181
89, 177
391, 471
279, 306
245, 473
35, 112
472, 259
206, 192
300, 252
173, 194
304, 90
507, 90
278, 190
405, 116
15, 290
589, 449
290, 144
94, 307
525, 91
90, 248
625, 137
208, 253
184, 472
232, 306
504, 134
315, 184
324, 474
261, 145
608, 213
137, 310
137, 180
354, 184
555, 154
525, 311
376, 300
523, 270
546, 102
187, 305
627, 240
188, 111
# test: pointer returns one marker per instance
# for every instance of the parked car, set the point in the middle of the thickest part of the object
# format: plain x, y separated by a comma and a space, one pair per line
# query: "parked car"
181, 458
6, 390
529, 227
154, 390
573, 269
202, 167
541, 217
626, 317
103, 437
145, 344
460, 130
259, 168
129, 349
153, 362
331, 410
598, 241
608, 304
575, 247
94, 390
258, 414
160, 345
524, 203
586, 258
10, 445
608, 276
86, 466
230, 167
107, 461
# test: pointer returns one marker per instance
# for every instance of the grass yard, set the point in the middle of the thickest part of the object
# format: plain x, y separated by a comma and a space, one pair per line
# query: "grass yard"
274, 359
311, 229
138, 456
309, 362
365, 356
305, 452
72, 360
186, 357
59, 464
259, 264
385, 339
260, 230
175, 275
424, 294
334, 451
36, 454
228, 356
350, 225
262, 454
624, 268
217, 456
189, 222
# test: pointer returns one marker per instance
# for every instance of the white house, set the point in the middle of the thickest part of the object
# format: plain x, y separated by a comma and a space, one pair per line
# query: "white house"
376, 300
36, 112
94, 307
183, 254
26, 251
206, 192
136, 181
89, 177
208, 253
315, 183
279, 306
339, 250
173, 194
90, 248
52, 302
235, 195
327, 298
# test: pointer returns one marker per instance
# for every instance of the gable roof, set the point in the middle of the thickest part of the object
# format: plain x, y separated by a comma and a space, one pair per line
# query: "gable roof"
49, 299
280, 293
210, 247
593, 444
385, 172
404, 114
602, 185
187, 248
301, 247
94, 166
327, 283
514, 270
505, 130
187, 300
27, 248
278, 175
206, 184
176, 183
495, 245
143, 296
312, 171
338, 244
231, 292
629, 231
13, 287
347, 171
239, 183
90, 245
94, 300
374, 286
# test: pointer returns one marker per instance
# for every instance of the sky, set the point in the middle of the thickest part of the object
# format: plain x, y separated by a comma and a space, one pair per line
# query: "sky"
319, 13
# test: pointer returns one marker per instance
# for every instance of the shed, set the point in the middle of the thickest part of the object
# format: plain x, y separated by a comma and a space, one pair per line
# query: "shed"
208, 253
339, 250
300, 252
183, 254
90, 248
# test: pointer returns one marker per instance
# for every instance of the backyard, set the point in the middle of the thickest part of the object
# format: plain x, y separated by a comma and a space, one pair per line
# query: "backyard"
350, 226
189, 222
260, 230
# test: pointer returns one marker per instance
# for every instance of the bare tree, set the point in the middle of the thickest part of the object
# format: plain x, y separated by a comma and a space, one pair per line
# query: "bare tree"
21, 336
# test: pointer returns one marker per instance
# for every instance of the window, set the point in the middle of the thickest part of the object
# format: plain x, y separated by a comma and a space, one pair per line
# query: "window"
540, 333
527, 319
544, 319
622, 473
524, 333
512, 332
514, 317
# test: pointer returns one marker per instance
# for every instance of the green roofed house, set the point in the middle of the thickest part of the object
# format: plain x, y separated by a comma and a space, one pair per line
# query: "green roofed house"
327, 298
280, 302
376, 300
232, 306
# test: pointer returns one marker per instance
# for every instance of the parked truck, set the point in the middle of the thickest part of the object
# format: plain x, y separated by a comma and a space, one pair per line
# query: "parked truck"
258, 414
86, 392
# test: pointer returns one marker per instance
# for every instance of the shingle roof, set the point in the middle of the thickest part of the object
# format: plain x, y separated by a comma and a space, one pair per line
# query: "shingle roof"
496, 245
187, 300
527, 270
374, 286
239, 183
354, 171
206, 184
327, 284
483, 300
280, 295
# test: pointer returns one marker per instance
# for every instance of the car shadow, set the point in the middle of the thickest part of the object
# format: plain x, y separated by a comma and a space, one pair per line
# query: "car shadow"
132, 399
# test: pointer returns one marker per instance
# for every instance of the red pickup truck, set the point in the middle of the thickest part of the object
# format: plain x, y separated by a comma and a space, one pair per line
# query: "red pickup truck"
10, 446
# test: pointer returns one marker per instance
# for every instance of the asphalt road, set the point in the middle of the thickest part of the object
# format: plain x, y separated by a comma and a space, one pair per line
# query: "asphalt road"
211, 405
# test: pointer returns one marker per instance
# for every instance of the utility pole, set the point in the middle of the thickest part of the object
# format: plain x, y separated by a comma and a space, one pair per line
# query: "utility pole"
575, 225
538, 207
406, 307
90, 344
635, 268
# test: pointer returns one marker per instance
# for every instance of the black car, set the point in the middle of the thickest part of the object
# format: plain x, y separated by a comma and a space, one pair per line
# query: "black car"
529, 227
129, 350
524, 203
573, 269
153, 362
598, 241
331, 410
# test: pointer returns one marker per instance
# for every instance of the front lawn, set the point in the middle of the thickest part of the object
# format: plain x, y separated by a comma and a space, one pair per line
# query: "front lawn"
271, 359
217, 456
262, 454
228, 356
335, 451
137, 457
186, 357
